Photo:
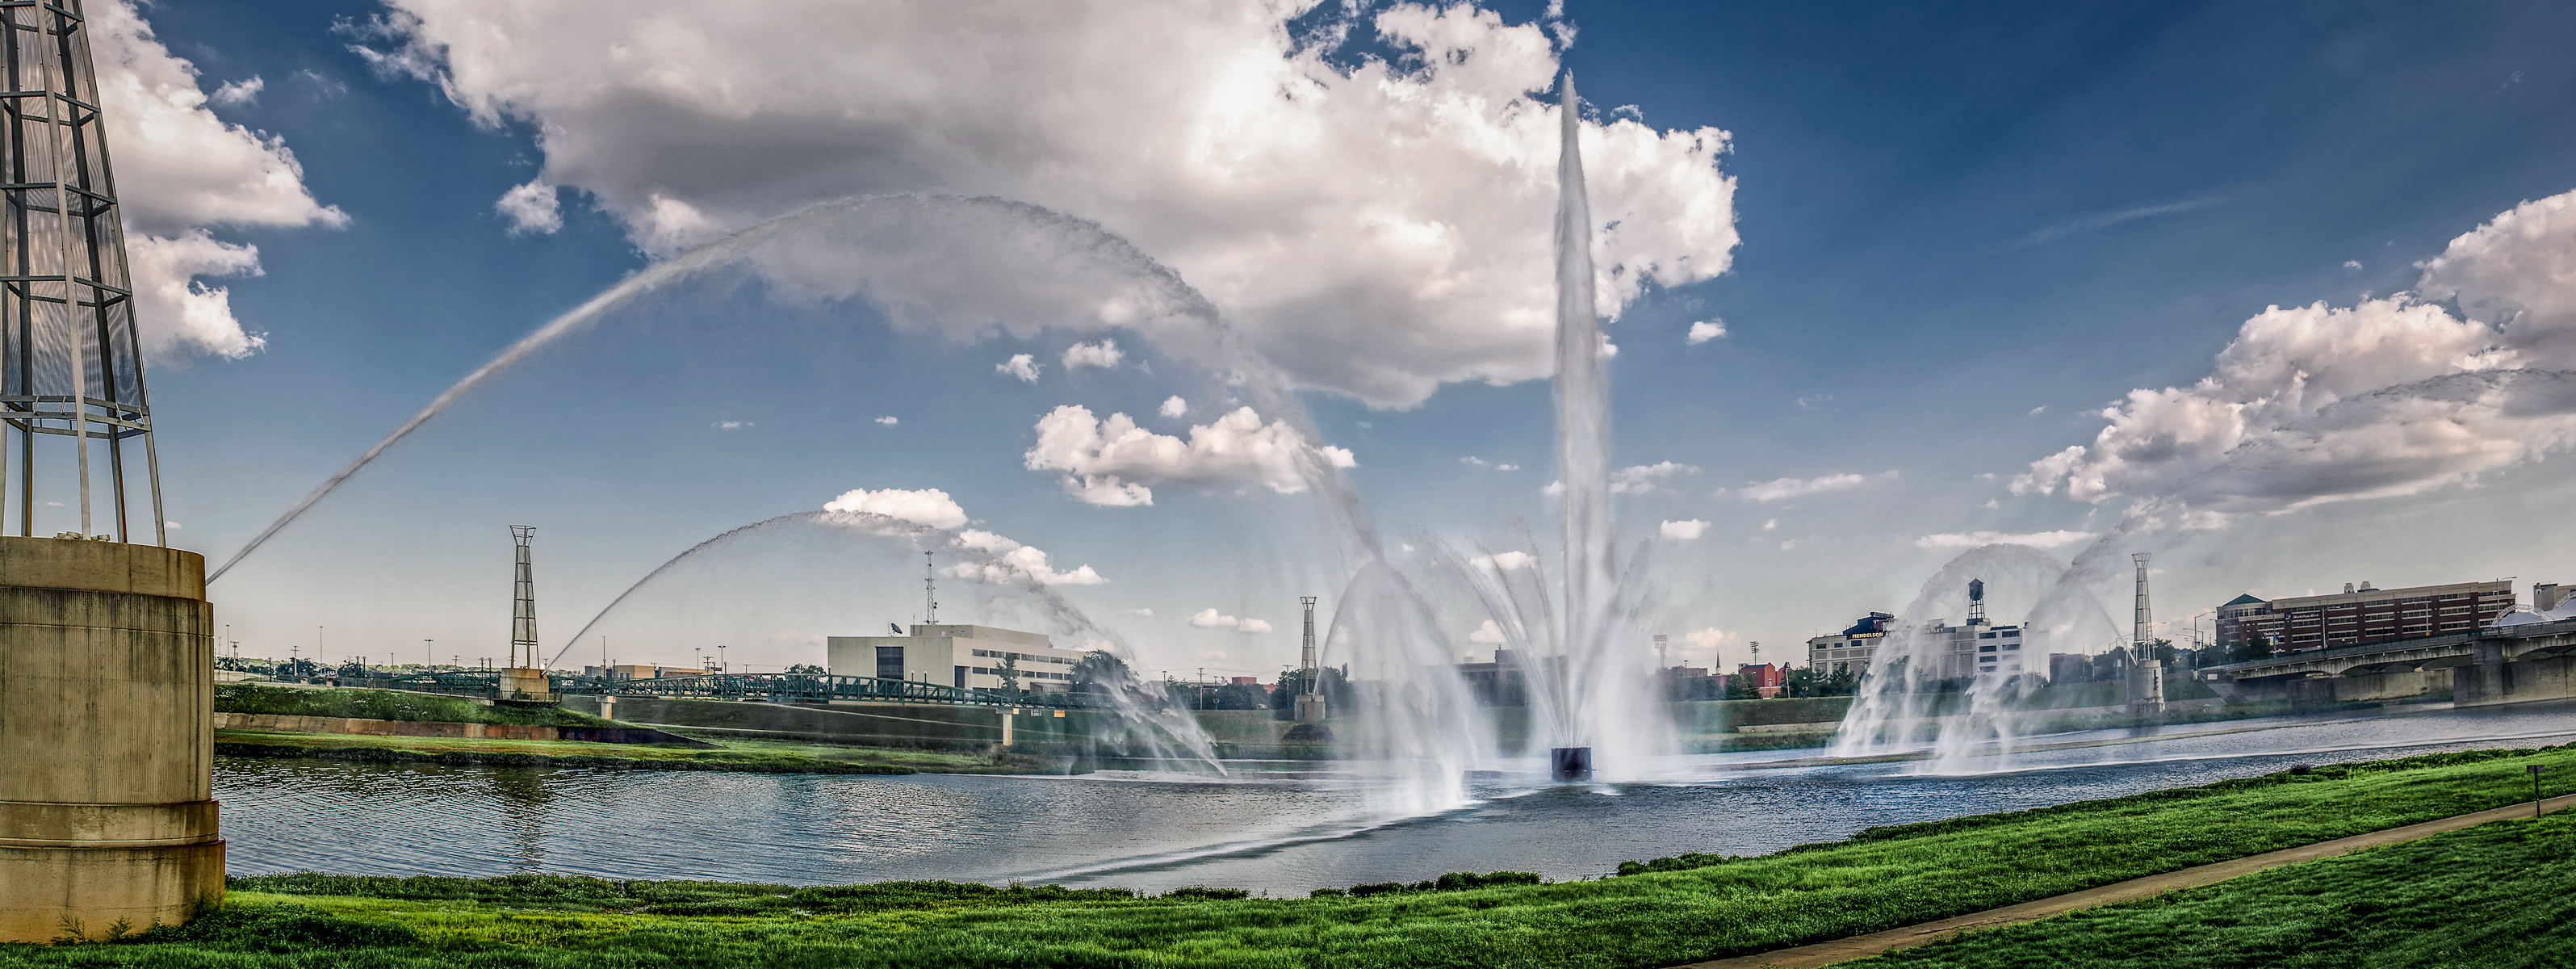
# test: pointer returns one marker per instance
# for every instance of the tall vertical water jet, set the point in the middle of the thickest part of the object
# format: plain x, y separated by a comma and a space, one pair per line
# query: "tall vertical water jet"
1582, 445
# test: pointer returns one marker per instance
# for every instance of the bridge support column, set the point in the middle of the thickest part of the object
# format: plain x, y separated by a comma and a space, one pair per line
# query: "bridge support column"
107, 677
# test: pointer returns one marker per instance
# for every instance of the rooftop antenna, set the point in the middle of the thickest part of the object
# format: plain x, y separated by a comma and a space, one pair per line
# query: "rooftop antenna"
1976, 602
929, 589
523, 605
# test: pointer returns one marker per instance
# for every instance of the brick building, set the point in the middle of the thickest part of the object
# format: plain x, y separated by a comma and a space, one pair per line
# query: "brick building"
2362, 614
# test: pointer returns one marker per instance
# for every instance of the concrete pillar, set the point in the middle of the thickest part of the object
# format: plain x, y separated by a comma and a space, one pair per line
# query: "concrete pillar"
1310, 708
107, 808
525, 684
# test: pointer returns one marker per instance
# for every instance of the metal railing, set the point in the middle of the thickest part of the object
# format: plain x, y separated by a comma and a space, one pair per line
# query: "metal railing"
776, 687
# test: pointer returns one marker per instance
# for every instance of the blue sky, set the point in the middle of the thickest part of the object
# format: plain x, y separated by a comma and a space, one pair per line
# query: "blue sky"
1960, 232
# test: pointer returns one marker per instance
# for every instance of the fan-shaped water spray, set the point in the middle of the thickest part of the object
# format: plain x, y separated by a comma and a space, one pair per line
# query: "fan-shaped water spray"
1141, 720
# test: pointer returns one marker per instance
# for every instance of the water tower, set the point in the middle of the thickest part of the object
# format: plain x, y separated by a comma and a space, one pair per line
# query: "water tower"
106, 639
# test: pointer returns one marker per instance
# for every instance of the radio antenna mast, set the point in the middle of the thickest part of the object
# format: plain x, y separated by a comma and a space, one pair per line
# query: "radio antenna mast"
929, 590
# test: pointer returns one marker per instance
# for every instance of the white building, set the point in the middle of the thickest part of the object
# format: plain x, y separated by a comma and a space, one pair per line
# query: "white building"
959, 656
1975, 648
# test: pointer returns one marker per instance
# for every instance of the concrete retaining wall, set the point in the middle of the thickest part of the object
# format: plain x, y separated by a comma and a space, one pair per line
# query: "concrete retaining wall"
443, 728
2400, 685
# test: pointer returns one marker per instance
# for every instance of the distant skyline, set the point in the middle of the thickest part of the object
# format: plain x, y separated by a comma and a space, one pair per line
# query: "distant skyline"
2283, 289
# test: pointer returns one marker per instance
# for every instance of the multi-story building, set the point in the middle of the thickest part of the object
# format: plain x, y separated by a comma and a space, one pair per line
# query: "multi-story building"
1849, 651
1974, 648
960, 656
1766, 680
2362, 614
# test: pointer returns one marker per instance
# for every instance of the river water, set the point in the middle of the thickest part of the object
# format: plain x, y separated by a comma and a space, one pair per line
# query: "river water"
1264, 829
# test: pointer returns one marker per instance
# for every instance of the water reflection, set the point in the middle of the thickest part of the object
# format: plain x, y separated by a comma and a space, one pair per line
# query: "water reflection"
1286, 834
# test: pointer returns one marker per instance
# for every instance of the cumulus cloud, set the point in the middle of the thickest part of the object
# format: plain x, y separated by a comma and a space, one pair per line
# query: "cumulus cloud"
889, 420
1975, 539
183, 172
730, 425
1139, 613
531, 208
684, 127
1642, 478
1704, 331
929, 506
237, 93
1013, 563
1684, 531
1021, 365
1506, 561
1211, 619
1113, 462
1491, 634
1104, 354
1783, 489
2390, 396
1709, 639
1174, 406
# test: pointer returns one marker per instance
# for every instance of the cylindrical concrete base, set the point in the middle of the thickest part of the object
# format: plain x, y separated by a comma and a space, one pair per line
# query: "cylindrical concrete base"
107, 737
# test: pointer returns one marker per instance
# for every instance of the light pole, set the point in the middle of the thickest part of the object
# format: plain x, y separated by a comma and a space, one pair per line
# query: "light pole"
428, 656
720, 658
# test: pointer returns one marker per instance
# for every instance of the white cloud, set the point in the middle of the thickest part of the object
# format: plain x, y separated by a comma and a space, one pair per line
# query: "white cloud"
1641, 478
1791, 545
1684, 531
2390, 396
1139, 613
1021, 365
1704, 331
1770, 524
1975, 539
1226, 154
174, 524
237, 93
1709, 639
1013, 563
1491, 634
889, 420
182, 171
1506, 561
1212, 619
1507, 467
730, 425
531, 208
1116, 463
929, 506
2352, 264
1782, 489
1553, 489
1104, 354
1472, 460
2035, 411
1174, 406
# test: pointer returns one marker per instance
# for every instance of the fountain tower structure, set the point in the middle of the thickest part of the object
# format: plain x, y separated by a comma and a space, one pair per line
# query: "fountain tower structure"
2146, 672
107, 811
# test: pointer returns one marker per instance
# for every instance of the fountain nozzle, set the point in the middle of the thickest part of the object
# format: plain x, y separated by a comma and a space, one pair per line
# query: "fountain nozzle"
1570, 763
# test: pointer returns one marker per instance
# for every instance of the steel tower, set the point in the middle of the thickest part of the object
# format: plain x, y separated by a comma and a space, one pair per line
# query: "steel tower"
70, 361
523, 606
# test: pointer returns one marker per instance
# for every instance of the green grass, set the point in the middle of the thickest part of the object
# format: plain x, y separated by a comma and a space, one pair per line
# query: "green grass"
367, 704
1676, 910
2500, 895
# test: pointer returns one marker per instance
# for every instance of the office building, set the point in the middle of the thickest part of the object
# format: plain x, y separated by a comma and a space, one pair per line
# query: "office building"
962, 656
2362, 614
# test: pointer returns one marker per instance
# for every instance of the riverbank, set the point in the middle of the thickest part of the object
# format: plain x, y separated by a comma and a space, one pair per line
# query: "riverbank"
747, 756
1668, 911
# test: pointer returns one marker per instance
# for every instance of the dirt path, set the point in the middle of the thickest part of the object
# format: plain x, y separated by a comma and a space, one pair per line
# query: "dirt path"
1875, 943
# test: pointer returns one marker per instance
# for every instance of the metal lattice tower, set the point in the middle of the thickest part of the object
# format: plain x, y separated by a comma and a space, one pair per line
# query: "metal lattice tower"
2143, 630
1306, 657
523, 604
70, 361
929, 589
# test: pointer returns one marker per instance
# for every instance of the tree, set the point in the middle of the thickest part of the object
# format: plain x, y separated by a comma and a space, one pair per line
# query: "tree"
806, 669
1010, 674
1740, 687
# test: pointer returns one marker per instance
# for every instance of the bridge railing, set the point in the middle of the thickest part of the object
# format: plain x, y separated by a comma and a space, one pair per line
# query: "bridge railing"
814, 687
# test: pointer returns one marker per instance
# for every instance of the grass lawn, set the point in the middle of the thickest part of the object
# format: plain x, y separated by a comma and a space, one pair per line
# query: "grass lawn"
1667, 911
2501, 895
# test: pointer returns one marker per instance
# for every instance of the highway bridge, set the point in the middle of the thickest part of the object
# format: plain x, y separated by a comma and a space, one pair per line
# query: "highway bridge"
772, 687
2489, 665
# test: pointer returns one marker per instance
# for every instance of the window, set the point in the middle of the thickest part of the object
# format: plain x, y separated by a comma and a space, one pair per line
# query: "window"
1985, 649
2011, 647
889, 662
